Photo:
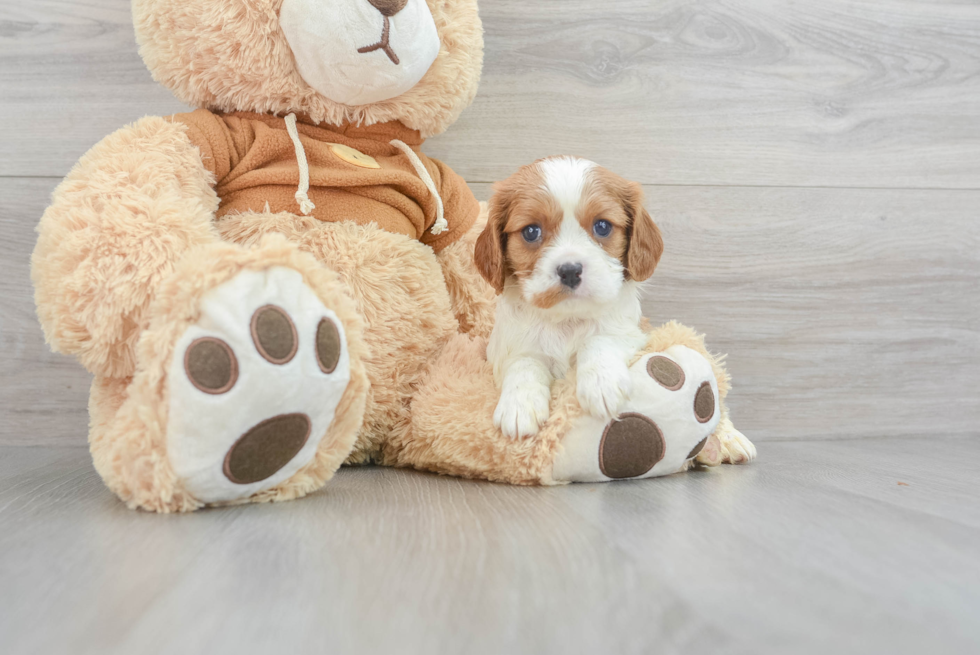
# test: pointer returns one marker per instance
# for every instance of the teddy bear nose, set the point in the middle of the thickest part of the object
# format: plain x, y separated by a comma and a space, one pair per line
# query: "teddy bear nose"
389, 7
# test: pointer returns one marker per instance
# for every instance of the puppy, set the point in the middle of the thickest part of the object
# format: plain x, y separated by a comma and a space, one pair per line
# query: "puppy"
566, 245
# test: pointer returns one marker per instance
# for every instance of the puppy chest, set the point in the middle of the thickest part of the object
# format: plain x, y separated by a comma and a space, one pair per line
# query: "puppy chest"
560, 343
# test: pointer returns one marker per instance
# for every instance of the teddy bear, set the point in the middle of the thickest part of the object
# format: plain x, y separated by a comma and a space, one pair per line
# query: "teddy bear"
280, 282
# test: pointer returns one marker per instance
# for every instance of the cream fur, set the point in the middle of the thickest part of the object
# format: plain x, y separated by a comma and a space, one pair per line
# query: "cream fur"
473, 300
141, 191
233, 56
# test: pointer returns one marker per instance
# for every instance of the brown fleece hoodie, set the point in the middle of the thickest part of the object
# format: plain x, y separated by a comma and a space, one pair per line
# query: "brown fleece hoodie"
255, 164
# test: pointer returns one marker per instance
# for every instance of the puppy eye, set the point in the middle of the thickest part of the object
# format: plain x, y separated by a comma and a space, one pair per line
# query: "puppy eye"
602, 228
531, 233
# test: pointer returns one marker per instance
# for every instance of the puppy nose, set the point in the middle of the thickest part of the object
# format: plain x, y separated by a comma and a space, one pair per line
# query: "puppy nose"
570, 275
389, 7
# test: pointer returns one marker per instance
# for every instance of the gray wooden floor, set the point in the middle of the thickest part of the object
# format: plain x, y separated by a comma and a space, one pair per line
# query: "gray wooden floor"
867, 546
815, 168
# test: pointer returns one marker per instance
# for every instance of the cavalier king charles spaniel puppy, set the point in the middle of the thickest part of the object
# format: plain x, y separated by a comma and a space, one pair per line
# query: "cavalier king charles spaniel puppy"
566, 246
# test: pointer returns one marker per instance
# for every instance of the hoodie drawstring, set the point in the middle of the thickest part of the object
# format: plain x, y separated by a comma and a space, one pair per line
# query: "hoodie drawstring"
302, 193
441, 225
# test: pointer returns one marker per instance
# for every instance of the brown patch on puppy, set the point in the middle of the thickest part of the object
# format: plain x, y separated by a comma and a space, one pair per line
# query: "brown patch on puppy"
517, 202
644, 244
522, 200
549, 298
602, 200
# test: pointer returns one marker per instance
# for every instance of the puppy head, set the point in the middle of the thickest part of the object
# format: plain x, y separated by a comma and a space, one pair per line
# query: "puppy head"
569, 232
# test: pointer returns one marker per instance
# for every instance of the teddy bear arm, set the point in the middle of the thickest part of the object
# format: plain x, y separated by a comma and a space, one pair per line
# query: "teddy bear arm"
127, 212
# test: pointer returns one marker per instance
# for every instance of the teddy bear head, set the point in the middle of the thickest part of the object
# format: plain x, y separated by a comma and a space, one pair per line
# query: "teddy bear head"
337, 61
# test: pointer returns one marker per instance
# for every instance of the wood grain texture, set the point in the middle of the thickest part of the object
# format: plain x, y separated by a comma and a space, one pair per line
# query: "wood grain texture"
815, 548
43, 396
845, 313
879, 93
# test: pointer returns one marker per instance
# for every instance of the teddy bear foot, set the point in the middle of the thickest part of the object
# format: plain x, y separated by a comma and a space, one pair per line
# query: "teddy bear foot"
727, 446
254, 385
667, 421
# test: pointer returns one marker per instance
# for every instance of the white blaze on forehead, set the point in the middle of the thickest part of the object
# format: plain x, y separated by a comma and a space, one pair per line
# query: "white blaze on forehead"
564, 179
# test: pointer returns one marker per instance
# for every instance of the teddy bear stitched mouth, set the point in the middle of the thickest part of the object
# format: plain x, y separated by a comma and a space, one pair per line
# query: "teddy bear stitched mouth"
388, 8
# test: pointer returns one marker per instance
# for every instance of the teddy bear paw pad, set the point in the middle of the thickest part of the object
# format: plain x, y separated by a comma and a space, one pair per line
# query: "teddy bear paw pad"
662, 426
254, 385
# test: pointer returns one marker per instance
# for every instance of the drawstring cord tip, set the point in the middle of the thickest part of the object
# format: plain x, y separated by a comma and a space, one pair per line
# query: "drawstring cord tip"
440, 226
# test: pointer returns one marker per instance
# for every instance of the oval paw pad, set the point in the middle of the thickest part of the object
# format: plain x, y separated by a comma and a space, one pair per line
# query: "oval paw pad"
630, 446
697, 448
274, 334
211, 365
328, 345
666, 372
266, 448
704, 403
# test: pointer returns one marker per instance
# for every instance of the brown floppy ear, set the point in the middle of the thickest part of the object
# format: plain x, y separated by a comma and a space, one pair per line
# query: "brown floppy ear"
644, 245
490, 245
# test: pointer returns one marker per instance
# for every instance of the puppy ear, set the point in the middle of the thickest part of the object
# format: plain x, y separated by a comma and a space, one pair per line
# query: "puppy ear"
490, 245
644, 245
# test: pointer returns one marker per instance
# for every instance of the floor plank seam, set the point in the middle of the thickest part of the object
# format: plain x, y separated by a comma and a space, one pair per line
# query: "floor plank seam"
680, 185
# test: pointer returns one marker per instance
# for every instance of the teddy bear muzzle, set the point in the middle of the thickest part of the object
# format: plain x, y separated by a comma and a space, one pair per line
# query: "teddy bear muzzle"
358, 52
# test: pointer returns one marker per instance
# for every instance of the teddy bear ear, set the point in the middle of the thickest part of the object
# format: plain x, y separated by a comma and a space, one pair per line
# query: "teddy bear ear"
492, 242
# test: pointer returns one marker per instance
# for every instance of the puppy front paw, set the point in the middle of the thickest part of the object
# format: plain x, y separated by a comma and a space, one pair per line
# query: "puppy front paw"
522, 411
602, 390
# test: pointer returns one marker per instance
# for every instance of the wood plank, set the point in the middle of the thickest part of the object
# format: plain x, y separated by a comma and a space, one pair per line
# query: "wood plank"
845, 313
876, 93
43, 396
815, 548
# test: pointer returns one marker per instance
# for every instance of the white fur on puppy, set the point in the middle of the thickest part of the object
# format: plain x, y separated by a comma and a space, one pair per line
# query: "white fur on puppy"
566, 245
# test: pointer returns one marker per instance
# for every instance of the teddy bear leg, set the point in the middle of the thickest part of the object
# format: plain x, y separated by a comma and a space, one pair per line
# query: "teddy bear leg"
401, 297
452, 429
663, 426
674, 375
674, 415
727, 446
249, 385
